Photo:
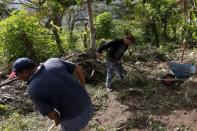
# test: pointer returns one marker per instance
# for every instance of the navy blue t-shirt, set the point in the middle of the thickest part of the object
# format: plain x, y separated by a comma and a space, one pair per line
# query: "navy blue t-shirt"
53, 87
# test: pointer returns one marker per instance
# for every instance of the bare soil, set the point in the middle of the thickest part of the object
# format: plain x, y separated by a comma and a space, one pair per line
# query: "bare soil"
163, 108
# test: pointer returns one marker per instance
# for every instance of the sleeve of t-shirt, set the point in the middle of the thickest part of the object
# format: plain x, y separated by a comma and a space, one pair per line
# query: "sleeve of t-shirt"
69, 65
42, 104
106, 46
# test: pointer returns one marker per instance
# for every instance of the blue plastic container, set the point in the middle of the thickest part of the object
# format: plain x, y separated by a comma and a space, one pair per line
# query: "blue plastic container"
182, 70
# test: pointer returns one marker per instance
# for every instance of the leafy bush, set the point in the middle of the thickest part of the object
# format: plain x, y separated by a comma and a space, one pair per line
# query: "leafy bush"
22, 35
72, 41
121, 29
103, 25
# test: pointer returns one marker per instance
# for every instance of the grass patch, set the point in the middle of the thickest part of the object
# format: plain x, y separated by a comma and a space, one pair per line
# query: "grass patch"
19, 122
134, 86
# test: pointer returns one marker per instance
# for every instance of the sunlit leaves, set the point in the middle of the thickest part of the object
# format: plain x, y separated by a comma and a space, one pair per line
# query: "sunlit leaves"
103, 25
13, 42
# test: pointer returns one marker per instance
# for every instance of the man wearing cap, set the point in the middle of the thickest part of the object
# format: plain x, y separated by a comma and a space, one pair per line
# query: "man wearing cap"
115, 50
57, 88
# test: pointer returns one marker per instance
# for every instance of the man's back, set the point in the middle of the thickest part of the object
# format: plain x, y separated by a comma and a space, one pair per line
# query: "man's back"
54, 86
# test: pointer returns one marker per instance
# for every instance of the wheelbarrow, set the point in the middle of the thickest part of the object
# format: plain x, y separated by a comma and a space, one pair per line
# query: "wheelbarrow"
180, 72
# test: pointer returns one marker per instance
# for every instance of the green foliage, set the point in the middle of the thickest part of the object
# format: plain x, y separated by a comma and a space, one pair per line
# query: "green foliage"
121, 28
111, 29
22, 31
72, 41
157, 126
193, 24
103, 25
79, 1
53, 8
15, 123
159, 20
3, 107
167, 47
66, 3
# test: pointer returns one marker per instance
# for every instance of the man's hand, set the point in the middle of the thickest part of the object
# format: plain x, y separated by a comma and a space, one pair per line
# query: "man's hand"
54, 116
98, 55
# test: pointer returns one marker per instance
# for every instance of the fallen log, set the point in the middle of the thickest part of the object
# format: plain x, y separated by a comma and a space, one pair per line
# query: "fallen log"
8, 81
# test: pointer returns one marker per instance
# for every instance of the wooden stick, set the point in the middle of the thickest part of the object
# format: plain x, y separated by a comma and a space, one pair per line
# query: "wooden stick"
172, 79
51, 127
184, 48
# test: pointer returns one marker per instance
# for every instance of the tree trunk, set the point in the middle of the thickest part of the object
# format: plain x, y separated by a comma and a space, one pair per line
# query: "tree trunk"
91, 26
165, 30
58, 40
85, 35
27, 45
155, 33
56, 22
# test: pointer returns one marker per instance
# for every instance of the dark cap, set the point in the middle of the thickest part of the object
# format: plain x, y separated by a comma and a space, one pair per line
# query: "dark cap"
21, 64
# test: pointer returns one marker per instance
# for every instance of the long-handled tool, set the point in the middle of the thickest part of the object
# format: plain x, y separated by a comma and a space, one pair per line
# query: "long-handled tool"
51, 127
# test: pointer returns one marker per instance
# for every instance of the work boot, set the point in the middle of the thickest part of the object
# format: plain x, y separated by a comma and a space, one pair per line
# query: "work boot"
109, 90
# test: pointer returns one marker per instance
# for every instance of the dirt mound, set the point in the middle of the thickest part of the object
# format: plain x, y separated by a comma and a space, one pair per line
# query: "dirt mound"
94, 68
13, 95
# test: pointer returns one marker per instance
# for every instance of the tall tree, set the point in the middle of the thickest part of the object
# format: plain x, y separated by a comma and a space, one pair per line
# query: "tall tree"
91, 25
73, 15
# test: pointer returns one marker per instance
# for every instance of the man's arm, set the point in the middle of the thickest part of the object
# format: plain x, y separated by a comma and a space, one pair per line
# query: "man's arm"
105, 46
44, 106
80, 74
